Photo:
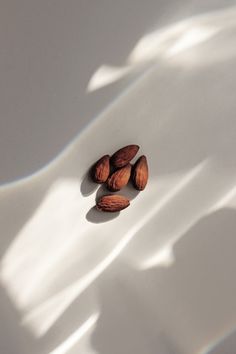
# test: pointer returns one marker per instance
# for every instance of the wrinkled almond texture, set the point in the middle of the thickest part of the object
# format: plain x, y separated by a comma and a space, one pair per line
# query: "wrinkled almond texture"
119, 178
101, 169
112, 203
140, 173
123, 156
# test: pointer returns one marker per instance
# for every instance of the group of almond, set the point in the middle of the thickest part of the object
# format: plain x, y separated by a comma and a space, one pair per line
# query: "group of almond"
116, 171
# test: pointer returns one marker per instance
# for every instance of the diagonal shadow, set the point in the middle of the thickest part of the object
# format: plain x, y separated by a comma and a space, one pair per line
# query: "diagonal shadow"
183, 306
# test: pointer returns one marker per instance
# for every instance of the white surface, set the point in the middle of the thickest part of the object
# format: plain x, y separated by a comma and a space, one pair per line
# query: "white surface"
50, 52
159, 277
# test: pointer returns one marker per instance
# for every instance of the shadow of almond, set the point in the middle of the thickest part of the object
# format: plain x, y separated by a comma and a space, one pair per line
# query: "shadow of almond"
129, 191
98, 217
88, 186
95, 216
102, 190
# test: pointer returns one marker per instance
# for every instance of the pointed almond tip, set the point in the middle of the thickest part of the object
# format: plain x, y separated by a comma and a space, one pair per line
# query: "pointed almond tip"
101, 169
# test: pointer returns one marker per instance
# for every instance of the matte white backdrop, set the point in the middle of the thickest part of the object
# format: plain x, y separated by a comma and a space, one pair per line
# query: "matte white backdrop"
81, 79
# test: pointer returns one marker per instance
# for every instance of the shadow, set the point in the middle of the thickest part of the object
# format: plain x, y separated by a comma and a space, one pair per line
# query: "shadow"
129, 191
88, 186
225, 345
65, 90
18, 205
77, 313
98, 217
126, 323
23, 342
102, 190
174, 309
196, 295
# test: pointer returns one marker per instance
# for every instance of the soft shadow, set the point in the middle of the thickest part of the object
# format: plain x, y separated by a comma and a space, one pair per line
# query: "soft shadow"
173, 309
13, 337
75, 315
70, 89
129, 191
88, 186
102, 190
17, 206
205, 259
225, 345
126, 324
98, 217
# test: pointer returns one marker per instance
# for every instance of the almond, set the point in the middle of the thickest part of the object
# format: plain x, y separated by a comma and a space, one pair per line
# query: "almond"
112, 203
140, 173
123, 156
119, 178
101, 169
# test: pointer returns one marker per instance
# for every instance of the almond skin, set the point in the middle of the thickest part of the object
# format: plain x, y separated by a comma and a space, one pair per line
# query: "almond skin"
140, 173
112, 203
123, 156
119, 178
101, 169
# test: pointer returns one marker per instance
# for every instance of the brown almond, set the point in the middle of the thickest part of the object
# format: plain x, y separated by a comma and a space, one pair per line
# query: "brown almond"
123, 156
140, 173
101, 169
112, 203
119, 178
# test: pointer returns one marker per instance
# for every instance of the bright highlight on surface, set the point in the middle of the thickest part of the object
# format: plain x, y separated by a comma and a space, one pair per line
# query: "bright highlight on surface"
227, 200
164, 257
37, 256
76, 336
106, 75
191, 38
164, 43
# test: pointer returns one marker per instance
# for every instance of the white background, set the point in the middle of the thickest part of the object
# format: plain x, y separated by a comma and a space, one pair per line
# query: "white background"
158, 277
